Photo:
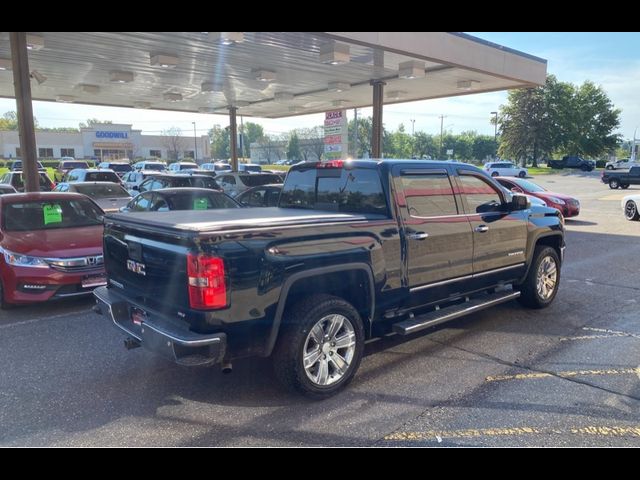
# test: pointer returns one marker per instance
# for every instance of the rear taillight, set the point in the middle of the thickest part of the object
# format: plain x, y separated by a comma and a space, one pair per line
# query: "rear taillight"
207, 289
330, 164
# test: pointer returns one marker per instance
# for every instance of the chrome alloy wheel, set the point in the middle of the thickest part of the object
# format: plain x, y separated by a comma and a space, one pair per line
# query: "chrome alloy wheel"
630, 210
547, 277
329, 349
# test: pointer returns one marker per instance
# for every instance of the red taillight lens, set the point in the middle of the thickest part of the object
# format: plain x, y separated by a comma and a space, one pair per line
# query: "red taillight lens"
207, 288
330, 164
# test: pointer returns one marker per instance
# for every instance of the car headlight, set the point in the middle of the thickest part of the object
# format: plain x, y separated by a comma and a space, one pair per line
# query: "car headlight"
559, 201
23, 260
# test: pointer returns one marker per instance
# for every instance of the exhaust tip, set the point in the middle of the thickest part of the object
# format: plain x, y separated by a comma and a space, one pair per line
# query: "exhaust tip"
227, 368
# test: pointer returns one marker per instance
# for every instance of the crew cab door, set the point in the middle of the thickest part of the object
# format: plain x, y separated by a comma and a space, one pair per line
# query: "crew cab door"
634, 175
439, 241
499, 235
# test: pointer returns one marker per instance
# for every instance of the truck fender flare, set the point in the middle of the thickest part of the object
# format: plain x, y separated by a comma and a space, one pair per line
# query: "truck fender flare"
290, 281
533, 248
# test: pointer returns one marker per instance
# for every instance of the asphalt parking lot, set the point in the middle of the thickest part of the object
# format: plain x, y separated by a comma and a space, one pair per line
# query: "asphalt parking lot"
565, 376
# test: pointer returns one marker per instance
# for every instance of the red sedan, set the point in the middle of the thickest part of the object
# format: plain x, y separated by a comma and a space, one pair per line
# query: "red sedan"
50, 247
569, 206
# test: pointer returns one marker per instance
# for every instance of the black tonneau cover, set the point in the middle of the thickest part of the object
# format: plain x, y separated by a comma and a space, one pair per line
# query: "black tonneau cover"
192, 222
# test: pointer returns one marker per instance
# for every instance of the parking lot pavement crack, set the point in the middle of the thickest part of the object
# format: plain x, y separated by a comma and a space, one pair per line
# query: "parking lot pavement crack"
539, 371
604, 284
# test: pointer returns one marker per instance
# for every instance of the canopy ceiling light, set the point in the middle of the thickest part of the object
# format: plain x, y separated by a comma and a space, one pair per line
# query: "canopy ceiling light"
40, 78
282, 96
5, 64
35, 42
65, 98
395, 94
211, 87
93, 89
338, 103
334, 53
172, 97
338, 87
264, 75
227, 38
117, 76
142, 104
294, 109
411, 69
466, 84
163, 60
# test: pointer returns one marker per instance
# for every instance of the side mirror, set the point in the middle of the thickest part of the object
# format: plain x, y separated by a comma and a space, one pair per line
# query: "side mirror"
519, 202
135, 187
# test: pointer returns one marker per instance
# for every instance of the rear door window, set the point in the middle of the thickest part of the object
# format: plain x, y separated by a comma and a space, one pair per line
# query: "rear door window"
429, 195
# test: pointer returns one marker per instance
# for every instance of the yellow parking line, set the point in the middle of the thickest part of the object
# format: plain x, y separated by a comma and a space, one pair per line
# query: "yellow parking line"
593, 337
576, 373
599, 430
611, 332
615, 196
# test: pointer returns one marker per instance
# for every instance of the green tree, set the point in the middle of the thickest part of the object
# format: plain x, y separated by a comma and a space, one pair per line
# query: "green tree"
399, 145
364, 130
9, 121
525, 126
93, 121
293, 149
594, 123
219, 142
253, 133
425, 145
484, 146
558, 117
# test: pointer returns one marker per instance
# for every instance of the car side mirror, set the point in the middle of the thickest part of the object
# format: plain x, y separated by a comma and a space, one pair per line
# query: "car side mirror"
135, 187
519, 202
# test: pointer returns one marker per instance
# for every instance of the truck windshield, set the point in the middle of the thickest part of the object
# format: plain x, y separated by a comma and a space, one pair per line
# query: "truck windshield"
334, 189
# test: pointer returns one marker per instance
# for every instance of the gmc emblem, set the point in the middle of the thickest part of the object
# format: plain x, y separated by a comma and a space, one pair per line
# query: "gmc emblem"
136, 267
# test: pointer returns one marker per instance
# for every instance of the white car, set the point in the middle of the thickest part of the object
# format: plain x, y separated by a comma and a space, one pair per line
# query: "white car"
177, 166
630, 205
505, 169
621, 164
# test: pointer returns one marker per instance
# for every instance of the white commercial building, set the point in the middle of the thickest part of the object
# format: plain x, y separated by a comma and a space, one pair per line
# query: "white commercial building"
108, 141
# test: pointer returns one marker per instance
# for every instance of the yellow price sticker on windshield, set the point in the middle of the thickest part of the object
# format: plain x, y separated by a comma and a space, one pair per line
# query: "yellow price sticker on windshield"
52, 214
200, 204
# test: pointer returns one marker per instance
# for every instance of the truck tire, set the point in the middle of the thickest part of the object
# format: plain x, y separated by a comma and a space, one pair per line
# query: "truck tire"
609, 167
522, 174
624, 186
495, 174
631, 211
319, 347
541, 284
614, 183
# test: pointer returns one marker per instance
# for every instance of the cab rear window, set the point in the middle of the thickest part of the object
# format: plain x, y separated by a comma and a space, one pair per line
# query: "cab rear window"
335, 189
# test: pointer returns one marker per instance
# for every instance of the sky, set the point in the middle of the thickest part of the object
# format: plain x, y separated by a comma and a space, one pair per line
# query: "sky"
609, 59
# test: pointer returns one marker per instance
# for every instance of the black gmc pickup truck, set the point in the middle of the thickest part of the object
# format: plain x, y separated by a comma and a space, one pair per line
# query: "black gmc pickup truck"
355, 250
621, 179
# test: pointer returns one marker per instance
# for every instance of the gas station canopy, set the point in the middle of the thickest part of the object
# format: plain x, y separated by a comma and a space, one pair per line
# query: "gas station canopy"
263, 74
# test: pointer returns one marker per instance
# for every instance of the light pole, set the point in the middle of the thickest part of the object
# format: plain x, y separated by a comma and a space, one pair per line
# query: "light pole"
195, 143
633, 146
442, 117
495, 131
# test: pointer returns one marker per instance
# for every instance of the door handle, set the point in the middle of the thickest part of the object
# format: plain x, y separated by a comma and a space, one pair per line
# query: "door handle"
481, 229
418, 235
